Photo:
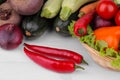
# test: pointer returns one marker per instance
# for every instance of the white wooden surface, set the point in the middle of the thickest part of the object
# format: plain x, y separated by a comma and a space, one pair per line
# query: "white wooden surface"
15, 65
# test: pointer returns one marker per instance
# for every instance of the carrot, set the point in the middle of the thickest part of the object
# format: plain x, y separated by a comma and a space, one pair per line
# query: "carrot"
87, 8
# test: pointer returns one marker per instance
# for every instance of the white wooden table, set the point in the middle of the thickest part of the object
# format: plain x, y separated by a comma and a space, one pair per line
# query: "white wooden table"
15, 65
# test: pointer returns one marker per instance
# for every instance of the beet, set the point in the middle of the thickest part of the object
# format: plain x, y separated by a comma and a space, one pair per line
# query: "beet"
10, 36
8, 15
26, 7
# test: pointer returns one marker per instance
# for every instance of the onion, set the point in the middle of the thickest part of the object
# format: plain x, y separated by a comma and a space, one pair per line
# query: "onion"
10, 36
100, 22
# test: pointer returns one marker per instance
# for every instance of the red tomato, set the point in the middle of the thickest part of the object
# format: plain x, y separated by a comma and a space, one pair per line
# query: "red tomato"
117, 18
107, 9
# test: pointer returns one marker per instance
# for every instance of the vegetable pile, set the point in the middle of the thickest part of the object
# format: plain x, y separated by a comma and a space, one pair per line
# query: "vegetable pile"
102, 32
94, 22
31, 19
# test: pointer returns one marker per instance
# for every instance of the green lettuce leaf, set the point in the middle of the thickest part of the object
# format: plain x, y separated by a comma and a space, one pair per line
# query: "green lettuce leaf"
100, 46
116, 63
111, 52
88, 39
71, 29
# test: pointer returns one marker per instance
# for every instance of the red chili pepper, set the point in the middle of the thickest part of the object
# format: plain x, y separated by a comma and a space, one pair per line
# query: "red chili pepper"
80, 27
60, 53
52, 64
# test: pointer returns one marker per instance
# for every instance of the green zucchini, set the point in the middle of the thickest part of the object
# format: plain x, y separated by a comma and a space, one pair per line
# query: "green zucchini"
34, 26
71, 6
61, 26
51, 8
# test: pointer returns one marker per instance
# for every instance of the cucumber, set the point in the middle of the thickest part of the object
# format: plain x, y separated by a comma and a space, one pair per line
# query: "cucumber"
71, 6
51, 8
61, 27
34, 26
